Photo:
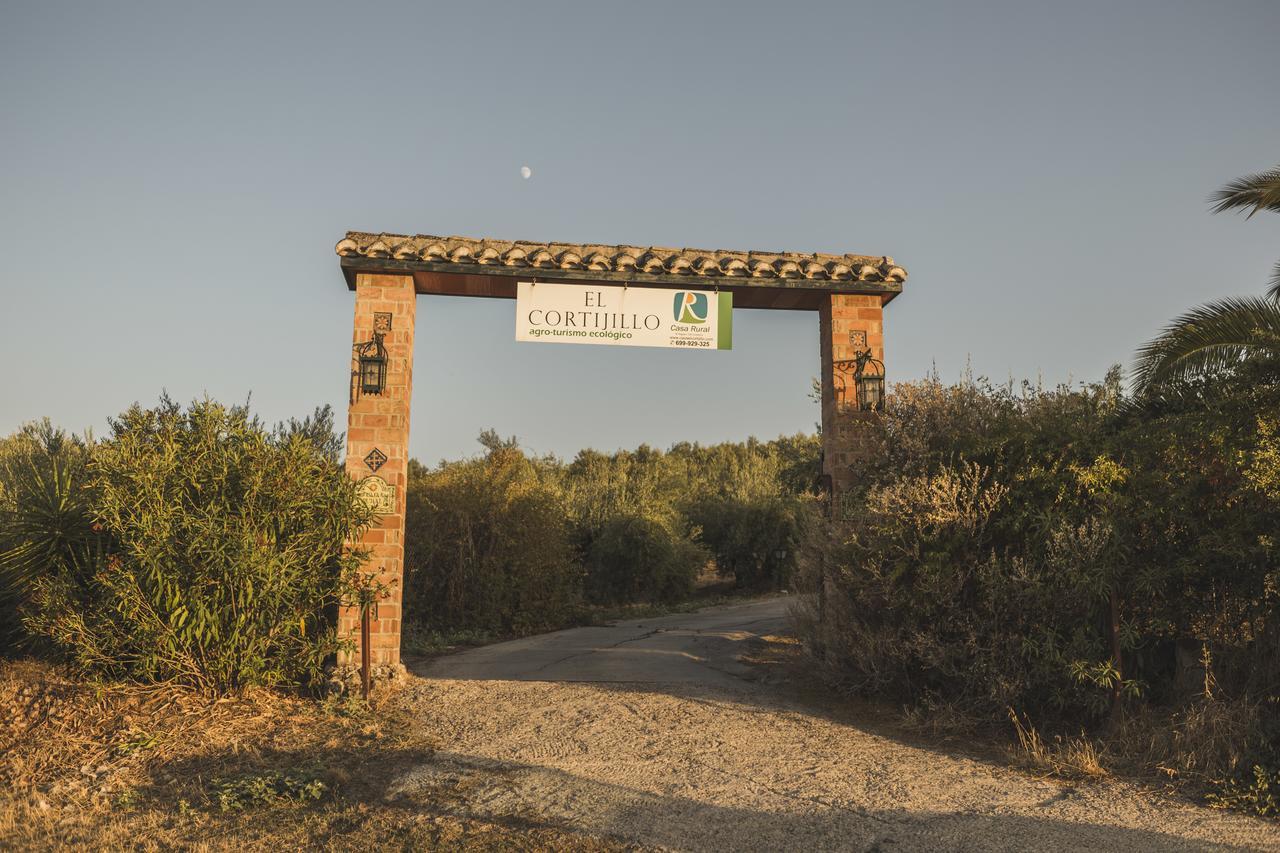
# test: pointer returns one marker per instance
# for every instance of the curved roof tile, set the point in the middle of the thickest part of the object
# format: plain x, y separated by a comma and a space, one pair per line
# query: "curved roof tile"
651, 259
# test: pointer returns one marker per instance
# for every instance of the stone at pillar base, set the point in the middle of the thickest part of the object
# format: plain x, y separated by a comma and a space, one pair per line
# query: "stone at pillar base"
344, 679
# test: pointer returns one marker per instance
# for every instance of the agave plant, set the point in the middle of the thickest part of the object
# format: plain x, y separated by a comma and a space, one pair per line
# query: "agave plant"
1220, 334
45, 519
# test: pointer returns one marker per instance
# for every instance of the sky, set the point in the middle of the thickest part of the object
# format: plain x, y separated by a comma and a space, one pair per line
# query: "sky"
174, 176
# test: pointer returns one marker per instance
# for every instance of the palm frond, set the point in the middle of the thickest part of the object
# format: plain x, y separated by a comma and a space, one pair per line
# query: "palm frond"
1209, 338
1260, 191
1273, 288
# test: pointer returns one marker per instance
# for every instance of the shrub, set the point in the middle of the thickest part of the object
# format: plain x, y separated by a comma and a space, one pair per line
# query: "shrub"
754, 541
1004, 543
633, 558
222, 551
664, 486
45, 517
511, 542
487, 547
1259, 794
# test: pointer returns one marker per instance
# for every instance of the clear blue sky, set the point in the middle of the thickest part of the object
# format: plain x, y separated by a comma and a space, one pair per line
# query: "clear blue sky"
173, 178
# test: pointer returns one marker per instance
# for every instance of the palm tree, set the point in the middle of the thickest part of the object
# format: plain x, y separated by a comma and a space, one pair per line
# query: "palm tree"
1222, 333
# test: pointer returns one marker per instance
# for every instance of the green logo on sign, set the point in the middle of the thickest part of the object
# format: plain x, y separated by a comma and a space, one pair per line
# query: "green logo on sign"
690, 307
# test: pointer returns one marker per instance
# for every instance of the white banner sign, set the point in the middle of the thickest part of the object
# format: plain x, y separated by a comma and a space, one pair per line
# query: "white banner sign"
623, 316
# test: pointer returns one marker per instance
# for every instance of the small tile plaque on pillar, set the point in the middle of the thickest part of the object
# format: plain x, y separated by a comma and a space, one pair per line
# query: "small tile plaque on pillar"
378, 495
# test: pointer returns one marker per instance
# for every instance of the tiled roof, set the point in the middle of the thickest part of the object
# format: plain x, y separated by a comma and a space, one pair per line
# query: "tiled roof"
641, 260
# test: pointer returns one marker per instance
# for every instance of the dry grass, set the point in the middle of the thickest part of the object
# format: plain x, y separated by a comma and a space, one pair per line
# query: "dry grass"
1069, 757
1195, 746
1203, 741
126, 767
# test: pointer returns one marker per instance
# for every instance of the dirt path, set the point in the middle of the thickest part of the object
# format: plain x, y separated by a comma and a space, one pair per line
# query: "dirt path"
653, 731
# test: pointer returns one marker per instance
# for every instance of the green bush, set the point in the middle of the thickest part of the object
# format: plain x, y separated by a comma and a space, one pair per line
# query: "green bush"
927, 612
665, 485
1004, 542
1259, 794
512, 543
219, 551
633, 558
487, 548
753, 541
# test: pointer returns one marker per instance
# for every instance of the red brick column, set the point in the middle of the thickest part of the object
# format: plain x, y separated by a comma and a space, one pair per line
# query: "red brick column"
382, 423
844, 439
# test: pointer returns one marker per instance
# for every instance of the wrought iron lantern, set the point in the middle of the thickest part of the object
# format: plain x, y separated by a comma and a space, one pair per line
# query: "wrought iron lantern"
859, 382
370, 376
868, 377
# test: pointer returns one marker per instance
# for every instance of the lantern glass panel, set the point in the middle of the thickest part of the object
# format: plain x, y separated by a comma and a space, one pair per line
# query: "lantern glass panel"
870, 393
373, 374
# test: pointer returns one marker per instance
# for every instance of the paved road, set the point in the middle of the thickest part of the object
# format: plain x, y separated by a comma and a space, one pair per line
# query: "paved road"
700, 648
651, 731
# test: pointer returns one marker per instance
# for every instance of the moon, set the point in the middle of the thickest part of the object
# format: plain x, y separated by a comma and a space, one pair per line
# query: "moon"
526, 172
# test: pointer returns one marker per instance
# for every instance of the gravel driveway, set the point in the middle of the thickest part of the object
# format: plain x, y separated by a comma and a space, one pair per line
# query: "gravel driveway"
653, 731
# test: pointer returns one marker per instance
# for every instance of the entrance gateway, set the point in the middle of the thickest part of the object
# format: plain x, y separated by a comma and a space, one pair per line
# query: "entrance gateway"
388, 271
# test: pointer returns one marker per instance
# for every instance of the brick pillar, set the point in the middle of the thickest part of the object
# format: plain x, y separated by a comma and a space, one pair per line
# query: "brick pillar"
382, 423
844, 441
